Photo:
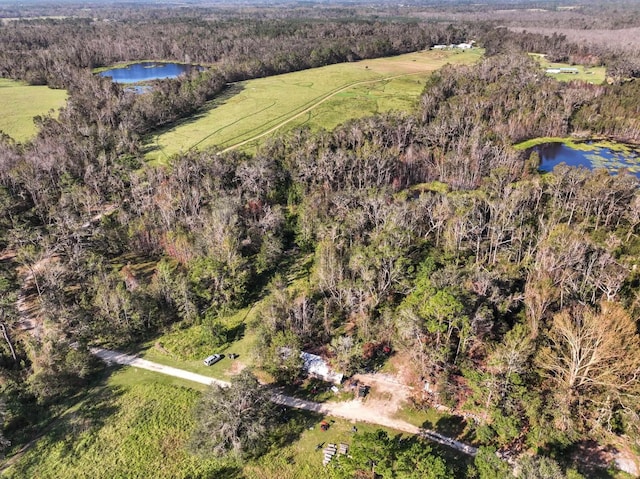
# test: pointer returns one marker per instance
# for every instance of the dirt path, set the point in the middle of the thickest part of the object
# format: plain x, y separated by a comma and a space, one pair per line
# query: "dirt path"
387, 394
115, 357
351, 410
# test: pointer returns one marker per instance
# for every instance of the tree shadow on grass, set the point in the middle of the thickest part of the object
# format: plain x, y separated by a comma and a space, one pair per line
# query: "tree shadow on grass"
83, 412
452, 426
588, 457
291, 425
229, 92
236, 333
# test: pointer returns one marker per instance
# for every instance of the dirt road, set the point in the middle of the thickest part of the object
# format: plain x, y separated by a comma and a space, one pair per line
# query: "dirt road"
351, 410
111, 357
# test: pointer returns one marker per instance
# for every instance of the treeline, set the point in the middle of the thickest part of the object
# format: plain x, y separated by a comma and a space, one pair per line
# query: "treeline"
555, 46
621, 63
60, 53
42, 51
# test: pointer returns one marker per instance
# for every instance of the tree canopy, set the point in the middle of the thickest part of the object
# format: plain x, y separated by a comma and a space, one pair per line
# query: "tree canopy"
234, 420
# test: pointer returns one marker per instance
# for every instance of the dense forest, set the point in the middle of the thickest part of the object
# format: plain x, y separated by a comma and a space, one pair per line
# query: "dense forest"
513, 294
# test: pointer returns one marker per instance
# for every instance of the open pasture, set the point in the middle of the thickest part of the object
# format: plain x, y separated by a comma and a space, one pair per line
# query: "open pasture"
595, 75
320, 98
20, 102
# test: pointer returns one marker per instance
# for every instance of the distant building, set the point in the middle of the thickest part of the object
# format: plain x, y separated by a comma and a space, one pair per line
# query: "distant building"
461, 46
555, 71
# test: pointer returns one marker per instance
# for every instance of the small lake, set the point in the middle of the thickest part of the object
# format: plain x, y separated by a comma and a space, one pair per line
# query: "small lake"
592, 157
147, 71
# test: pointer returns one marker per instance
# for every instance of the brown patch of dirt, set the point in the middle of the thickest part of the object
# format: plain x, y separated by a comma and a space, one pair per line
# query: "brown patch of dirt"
387, 394
236, 367
400, 366
160, 347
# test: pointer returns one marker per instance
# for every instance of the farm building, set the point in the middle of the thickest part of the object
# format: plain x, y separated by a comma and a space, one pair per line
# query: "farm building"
316, 366
571, 70
461, 46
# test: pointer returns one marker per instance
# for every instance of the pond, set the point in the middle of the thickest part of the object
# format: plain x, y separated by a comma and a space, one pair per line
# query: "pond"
147, 71
590, 155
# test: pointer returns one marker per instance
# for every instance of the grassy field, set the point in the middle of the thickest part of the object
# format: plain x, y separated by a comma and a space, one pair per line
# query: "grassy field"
20, 102
582, 144
136, 424
186, 348
525, 145
320, 98
595, 75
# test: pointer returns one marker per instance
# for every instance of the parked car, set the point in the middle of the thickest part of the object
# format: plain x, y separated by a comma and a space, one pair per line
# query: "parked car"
214, 358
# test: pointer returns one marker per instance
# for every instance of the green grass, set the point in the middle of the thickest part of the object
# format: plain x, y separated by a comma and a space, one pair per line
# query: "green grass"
185, 348
581, 144
20, 103
595, 75
333, 94
525, 145
302, 459
430, 418
135, 425
574, 143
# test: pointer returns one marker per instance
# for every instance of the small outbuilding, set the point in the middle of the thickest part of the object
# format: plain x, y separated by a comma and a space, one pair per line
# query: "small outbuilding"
316, 366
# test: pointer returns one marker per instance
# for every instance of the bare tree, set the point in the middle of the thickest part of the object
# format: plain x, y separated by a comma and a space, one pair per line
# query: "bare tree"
236, 419
592, 360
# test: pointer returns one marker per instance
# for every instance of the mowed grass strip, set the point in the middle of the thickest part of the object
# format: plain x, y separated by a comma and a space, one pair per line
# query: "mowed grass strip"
321, 97
20, 103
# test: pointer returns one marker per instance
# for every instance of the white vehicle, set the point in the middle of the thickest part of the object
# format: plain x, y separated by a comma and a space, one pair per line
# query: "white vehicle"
214, 358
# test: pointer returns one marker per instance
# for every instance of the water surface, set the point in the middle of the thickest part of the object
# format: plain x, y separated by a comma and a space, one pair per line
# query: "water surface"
147, 71
626, 156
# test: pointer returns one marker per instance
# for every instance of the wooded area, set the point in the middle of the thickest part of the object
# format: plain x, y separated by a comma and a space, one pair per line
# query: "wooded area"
514, 293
